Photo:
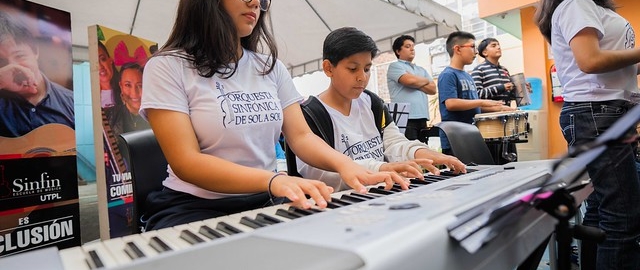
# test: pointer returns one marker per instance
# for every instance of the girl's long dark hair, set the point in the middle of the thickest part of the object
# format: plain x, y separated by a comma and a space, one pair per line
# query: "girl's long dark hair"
207, 34
545, 10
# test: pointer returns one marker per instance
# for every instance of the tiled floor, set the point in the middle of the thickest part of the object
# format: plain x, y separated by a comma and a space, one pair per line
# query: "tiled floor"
90, 228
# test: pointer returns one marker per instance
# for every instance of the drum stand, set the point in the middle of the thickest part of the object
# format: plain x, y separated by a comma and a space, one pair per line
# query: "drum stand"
505, 154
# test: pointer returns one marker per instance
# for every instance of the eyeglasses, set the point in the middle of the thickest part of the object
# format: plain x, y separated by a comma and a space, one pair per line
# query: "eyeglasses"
472, 46
264, 4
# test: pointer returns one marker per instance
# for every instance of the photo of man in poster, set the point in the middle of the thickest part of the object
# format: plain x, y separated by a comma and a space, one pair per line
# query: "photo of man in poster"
38, 173
28, 98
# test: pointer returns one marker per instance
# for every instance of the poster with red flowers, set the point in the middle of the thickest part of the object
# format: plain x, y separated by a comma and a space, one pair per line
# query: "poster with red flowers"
117, 61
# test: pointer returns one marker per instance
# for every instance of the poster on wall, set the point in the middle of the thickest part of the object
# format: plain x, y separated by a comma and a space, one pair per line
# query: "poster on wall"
38, 179
117, 61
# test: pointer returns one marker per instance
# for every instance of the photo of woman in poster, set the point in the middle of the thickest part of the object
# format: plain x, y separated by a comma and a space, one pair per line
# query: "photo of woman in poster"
120, 65
125, 117
109, 78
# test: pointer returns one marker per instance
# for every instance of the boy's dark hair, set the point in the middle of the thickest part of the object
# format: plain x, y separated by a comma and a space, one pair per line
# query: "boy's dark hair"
346, 41
458, 38
483, 45
397, 43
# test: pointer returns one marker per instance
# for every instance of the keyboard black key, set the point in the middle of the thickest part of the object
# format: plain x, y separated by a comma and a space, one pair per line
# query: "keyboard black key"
315, 210
449, 173
436, 178
382, 191
210, 233
369, 196
340, 201
159, 245
333, 205
94, 260
133, 251
190, 237
226, 228
304, 212
350, 198
264, 218
251, 223
414, 186
416, 181
287, 214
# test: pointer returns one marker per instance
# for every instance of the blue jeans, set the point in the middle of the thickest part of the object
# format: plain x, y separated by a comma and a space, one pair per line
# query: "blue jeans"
614, 206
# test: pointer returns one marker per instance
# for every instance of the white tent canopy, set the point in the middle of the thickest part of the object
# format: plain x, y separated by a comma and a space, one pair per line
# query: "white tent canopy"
299, 26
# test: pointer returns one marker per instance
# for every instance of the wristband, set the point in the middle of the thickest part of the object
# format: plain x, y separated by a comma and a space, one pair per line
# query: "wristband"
269, 186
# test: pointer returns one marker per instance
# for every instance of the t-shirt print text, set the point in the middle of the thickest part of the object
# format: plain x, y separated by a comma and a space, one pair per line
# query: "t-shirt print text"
630, 37
369, 149
242, 108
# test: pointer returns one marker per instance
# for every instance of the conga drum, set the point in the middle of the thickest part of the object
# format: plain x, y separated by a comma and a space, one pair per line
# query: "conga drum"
496, 125
521, 119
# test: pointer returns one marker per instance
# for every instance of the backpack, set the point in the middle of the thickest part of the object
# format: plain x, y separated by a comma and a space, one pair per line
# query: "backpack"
319, 121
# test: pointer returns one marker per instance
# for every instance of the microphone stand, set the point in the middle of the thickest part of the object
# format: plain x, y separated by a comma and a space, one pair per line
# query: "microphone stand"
562, 206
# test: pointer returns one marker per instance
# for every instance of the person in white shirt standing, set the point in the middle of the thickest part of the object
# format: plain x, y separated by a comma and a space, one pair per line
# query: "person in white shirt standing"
597, 62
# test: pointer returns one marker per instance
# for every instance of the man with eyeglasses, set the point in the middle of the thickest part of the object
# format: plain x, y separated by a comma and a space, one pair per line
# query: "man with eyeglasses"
458, 98
410, 83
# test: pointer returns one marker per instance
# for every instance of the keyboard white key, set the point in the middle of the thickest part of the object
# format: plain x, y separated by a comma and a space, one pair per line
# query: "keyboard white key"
141, 244
74, 258
208, 232
98, 256
128, 248
116, 246
164, 240
229, 225
190, 234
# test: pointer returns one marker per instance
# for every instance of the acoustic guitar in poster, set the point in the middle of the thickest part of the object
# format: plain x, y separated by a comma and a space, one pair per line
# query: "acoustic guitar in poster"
44, 141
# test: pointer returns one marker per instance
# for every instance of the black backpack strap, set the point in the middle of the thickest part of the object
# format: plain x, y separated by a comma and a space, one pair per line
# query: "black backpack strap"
292, 166
381, 114
318, 119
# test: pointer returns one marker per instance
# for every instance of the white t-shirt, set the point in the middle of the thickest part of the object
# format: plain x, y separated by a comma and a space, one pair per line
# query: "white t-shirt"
356, 135
614, 32
238, 119
106, 98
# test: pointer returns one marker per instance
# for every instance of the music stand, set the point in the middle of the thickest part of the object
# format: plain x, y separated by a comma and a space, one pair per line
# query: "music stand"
400, 113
